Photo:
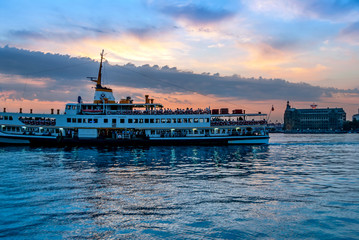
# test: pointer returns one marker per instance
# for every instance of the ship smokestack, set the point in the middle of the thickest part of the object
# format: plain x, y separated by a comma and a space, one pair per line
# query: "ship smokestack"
146, 99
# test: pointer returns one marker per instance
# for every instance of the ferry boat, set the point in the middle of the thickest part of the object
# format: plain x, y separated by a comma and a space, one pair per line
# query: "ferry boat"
106, 121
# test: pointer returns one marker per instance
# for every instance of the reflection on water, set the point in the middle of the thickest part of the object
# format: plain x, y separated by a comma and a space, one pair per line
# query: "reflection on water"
299, 186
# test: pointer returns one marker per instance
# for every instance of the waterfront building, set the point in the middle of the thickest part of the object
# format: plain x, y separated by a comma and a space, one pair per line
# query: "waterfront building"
356, 116
314, 119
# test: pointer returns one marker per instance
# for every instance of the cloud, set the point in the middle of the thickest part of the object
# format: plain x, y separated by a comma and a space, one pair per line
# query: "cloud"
333, 10
26, 34
351, 33
197, 14
63, 78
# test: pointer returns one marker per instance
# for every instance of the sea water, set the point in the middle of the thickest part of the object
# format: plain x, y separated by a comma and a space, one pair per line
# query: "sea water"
297, 187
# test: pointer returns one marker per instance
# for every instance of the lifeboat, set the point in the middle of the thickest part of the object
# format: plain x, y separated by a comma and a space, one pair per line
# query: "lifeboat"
92, 111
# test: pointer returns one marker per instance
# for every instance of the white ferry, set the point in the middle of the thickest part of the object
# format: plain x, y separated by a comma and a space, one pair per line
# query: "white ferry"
108, 122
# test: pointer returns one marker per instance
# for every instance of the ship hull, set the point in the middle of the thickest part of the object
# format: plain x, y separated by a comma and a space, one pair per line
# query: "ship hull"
19, 139
137, 141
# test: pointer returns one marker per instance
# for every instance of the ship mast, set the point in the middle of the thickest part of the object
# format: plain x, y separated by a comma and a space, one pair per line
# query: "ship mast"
98, 82
102, 94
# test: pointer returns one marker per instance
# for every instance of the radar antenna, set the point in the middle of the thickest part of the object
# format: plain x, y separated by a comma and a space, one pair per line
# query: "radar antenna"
313, 106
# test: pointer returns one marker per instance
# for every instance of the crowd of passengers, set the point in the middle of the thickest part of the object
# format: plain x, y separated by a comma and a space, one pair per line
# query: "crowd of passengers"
162, 111
221, 122
132, 134
42, 121
124, 134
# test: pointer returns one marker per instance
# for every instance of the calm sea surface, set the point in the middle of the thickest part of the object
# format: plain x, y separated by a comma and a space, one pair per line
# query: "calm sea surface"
298, 186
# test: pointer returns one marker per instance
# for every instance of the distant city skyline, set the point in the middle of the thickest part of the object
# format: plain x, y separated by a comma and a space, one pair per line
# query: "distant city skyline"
236, 54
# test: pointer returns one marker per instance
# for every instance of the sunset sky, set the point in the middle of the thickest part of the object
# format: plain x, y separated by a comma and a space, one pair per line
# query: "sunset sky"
249, 54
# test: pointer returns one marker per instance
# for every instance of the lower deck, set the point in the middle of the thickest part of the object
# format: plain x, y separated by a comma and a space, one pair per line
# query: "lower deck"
113, 136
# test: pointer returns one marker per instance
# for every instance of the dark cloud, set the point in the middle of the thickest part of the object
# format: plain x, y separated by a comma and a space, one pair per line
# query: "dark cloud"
93, 29
351, 32
26, 34
145, 32
331, 9
197, 14
284, 42
66, 80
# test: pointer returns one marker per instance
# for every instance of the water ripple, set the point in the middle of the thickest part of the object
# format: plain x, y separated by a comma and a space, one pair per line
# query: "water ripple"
298, 186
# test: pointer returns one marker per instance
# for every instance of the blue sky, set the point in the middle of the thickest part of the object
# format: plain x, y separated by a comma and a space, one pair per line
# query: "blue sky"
315, 42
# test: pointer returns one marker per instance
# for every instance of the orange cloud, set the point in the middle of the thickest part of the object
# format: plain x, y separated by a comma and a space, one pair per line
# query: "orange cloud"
262, 56
16, 79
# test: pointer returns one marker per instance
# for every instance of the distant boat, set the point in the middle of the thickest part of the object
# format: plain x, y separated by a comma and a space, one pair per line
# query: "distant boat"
107, 122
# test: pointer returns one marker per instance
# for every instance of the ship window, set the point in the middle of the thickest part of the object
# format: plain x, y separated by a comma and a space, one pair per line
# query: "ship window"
68, 107
135, 120
174, 120
206, 120
185, 120
152, 120
114, 120
153, 132
190, 120
168, 120
6, 118
69, 120
129, 120
74, 107
95, 120
90, 120
1, 117
201, 120
141, 120
105, 120
122, 120
157, 120
79, 120
179, 120
147, 120
85, 120
163, 120
195, 120
10, 117
74, 120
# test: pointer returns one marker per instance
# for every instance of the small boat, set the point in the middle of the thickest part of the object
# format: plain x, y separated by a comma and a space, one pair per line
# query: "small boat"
92, 111
106, 121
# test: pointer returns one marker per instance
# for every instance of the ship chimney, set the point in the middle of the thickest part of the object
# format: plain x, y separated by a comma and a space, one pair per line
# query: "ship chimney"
52, 111
30, 110
20, 110
4, 109
58, 111
146, 99
152, 101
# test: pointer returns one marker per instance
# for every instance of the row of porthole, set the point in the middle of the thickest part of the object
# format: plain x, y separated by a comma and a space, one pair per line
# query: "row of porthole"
136, 120
6, 117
